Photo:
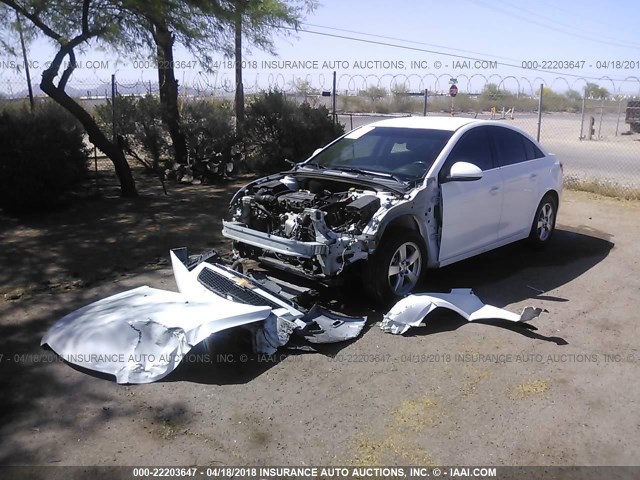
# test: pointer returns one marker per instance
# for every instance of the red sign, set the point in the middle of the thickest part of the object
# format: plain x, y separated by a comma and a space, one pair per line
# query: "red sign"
453, 90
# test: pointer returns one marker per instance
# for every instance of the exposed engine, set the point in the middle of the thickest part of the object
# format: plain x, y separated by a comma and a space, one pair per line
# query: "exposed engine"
289, 209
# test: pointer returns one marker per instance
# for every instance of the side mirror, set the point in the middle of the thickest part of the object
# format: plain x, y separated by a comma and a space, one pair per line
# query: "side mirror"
464, 172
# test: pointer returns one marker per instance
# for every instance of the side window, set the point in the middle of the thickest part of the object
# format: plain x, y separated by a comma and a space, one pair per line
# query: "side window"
509, 145
473, 147
532, 150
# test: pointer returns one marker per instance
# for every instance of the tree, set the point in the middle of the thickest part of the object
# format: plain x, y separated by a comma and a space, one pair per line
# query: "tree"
596, 91
196, 24
375, 93
402, 102
400, 90
303, 88
573, 95
204, 27
69, 25
258, 20
492, 92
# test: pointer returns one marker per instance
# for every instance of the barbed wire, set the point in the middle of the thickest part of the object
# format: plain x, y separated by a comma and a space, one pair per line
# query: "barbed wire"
223, 84
591, 134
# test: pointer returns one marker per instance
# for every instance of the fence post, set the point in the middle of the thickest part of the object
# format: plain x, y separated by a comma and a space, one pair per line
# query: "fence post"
601, 115
426, 97
333, 99
584, 99
113, 106
619, 111
540, 111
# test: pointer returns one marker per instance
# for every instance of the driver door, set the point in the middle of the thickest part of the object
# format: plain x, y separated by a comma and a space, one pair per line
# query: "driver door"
471, 209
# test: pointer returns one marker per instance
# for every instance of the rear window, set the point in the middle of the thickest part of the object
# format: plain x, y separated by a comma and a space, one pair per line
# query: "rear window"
531, 149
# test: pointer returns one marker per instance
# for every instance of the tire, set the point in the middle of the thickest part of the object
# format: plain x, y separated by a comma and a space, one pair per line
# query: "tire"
544, 222
401, 251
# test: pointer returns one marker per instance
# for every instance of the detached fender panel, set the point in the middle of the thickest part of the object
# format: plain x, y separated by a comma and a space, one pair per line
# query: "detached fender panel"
412, 310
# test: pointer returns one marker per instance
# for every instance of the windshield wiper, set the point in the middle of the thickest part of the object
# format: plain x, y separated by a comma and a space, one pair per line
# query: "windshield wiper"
368, 172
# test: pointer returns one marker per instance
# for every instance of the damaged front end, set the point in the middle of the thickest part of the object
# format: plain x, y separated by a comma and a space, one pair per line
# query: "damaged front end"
141, 335
312, 224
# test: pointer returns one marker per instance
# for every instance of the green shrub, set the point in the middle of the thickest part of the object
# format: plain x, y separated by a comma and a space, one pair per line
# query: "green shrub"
140, 128
211, 140
207, 127
278, 130
42, 156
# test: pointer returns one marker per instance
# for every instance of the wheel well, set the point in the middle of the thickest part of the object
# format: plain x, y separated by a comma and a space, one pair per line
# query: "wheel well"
555, 196
406, 222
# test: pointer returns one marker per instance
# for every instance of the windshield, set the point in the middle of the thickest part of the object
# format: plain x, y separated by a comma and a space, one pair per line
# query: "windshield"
403, 153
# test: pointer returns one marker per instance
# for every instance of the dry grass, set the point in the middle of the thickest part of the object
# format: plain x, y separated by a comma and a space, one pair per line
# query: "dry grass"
397, 443
529, 389
416, 414
606, 188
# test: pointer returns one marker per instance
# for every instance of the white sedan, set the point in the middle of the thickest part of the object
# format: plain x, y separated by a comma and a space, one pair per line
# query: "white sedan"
393, 198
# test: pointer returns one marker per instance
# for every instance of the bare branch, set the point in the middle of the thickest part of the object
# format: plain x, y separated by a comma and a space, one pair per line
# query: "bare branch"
68, 71
85, 16
35, 19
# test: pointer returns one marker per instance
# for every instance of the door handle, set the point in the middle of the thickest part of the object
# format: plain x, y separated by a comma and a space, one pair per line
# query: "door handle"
494, 190
533, 176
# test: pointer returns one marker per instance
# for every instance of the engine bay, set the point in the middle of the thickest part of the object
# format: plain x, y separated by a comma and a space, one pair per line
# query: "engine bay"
288, 207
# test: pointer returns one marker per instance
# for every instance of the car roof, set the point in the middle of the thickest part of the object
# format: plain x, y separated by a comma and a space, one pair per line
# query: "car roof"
428, 123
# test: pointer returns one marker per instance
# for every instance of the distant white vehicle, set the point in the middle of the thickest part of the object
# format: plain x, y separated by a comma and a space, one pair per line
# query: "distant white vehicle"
398, 196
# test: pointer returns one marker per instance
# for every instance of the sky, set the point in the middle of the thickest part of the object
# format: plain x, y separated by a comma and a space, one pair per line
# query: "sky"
421, 44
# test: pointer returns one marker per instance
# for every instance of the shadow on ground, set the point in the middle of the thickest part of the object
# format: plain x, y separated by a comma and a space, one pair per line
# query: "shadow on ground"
65, 251
508, 275
48, 262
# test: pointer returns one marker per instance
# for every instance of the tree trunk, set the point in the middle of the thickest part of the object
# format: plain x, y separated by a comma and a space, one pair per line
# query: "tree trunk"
169, 90
111, 150
239, 100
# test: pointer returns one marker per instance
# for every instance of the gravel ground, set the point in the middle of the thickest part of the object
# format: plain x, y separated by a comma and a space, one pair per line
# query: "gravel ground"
448, 393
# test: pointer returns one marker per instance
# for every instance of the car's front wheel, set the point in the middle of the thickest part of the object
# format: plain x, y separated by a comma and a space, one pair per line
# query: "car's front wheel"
544, 223
394, 270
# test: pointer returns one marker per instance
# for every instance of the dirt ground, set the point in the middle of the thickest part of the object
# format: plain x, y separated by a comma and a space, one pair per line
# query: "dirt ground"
449, 393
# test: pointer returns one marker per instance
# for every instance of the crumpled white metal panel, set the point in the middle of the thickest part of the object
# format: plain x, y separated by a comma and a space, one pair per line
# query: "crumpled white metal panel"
141, 335
411, 310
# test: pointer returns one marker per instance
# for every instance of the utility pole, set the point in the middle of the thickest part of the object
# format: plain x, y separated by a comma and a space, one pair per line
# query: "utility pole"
26, 62
540, 111
239, 97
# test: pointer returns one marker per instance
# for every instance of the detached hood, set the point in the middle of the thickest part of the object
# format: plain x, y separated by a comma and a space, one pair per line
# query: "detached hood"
141, 335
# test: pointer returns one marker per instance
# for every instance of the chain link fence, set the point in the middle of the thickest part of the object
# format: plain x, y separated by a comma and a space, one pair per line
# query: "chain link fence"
592, 128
